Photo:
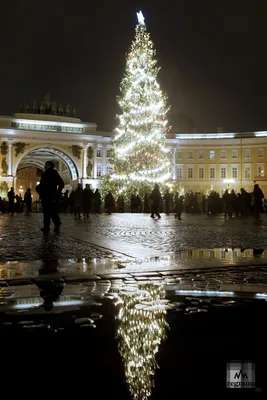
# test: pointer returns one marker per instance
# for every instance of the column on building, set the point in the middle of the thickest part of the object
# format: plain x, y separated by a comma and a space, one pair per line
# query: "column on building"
10, 157
85, 147
173, 164
95, 162
104, 159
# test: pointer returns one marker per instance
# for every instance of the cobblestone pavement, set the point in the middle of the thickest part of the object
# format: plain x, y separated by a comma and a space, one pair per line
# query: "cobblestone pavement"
132, 235
21, 239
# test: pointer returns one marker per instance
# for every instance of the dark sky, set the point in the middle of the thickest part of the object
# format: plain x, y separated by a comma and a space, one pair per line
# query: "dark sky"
212, 55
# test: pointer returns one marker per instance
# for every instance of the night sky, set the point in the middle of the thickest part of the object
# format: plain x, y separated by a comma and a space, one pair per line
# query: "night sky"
212, 55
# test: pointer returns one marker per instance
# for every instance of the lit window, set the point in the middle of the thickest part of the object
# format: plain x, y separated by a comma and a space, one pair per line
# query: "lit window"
223, 154
98, 153
223, 254
99, 170
109, 151
234, 172
179, 155
260, 153
234, 153
247, 153
201, 173
201, 154
109, 169
179, 172
260, 171
190, 155
190, 172
212, 173
247, 172
223, 172
212, 154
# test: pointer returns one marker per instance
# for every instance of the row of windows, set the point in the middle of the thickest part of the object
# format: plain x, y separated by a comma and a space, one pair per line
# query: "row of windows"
223, 172
223, 154
99, 152
100, 170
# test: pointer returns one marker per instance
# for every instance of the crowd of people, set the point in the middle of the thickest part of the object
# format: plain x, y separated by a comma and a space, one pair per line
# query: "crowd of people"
230, 204
85, 201
82, 202
15, 203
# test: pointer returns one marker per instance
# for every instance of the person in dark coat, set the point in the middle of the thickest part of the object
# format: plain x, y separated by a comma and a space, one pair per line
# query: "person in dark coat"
109, 203
87, 200
146, 204
11, 201
178, 205
120, 204
78, 201
227, 206
97, 202
167, 200
156, 199
28, 201
257, 197
49, 190
138, 204
133, 203
66, 201
71, 201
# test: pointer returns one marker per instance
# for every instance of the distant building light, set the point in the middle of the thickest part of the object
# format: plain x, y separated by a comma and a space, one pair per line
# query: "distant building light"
205, 136
228, 181
261, 134
261, 295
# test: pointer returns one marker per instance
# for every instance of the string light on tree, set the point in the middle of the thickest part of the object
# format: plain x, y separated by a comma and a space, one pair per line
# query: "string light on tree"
142, 329
139, 140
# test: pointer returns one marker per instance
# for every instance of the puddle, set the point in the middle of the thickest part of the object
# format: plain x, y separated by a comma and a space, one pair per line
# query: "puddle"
146, 339
145, 334
196, 258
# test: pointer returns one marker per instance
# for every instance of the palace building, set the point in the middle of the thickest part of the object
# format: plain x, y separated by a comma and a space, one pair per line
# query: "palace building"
200, 162
219, 161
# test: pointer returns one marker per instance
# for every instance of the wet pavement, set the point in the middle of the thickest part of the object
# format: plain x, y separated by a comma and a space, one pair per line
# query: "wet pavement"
126, 307
122, 337
126, 235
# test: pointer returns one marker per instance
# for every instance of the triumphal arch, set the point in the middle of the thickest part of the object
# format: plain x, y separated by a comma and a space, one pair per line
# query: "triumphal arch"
47, 131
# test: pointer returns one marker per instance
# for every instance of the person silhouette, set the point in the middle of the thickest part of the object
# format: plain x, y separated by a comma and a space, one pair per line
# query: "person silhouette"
50, 287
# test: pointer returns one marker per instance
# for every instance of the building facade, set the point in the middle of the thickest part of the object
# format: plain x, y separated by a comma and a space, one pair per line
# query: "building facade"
80, 152
219, 161
200, 162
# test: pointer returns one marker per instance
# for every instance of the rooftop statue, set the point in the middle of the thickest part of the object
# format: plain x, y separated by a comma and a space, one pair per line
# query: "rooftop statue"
48, 107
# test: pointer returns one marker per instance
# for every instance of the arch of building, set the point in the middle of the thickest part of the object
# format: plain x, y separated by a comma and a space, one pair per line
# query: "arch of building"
65, 156
28, 164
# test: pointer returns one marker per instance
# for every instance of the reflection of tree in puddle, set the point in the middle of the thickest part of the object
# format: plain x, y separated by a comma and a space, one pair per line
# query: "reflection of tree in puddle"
140, 333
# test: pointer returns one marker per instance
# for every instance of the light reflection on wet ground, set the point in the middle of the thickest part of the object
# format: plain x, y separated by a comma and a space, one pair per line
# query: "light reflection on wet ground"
143, 269
144, 332
144, 328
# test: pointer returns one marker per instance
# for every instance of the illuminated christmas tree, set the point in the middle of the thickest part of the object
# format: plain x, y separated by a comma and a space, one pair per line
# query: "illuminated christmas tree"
142, 329
140, 159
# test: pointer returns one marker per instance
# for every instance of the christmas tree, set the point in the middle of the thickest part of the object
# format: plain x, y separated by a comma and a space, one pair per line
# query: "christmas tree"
142, 329
140, 159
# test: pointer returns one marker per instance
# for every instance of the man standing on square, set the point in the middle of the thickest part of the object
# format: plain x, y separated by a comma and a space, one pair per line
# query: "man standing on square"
49, 190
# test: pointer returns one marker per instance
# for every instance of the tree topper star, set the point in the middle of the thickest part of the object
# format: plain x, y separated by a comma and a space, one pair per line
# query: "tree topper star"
141, 18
